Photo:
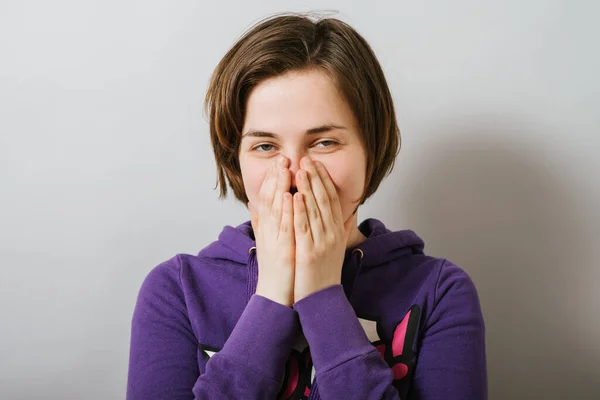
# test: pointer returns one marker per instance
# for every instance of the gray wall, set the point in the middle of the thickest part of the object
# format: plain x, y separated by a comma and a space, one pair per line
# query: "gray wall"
106, 170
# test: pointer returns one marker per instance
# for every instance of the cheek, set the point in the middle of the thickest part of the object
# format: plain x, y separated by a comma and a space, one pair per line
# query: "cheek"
348, 181
253, 175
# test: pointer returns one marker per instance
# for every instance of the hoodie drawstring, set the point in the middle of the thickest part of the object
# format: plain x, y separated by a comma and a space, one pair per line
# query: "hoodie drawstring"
252, 273
361, 254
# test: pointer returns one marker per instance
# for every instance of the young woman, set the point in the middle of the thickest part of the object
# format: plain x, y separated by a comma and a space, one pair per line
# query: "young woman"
302, 301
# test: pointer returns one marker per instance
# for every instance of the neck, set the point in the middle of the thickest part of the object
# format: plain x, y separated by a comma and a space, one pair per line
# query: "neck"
355, 238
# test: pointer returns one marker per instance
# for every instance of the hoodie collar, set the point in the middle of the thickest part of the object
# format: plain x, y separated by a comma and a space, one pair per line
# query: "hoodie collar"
237, 244
382, 245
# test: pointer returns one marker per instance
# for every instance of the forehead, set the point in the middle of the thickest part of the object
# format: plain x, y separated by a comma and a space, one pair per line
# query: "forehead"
295, 102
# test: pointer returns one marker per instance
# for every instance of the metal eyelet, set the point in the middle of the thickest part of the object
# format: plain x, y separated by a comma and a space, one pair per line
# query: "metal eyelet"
360, 251
251, 248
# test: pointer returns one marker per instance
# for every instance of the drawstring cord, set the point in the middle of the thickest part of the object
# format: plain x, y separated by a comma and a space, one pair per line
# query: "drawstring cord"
361, 254
252, 272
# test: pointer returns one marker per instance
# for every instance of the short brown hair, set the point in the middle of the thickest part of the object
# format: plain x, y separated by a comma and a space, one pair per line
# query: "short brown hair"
293, 42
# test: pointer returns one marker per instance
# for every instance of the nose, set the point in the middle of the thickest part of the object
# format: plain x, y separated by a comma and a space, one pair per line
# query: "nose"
294, 164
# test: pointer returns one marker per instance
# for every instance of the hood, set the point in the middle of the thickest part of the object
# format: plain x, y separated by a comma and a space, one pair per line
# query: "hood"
233, 244
236, 245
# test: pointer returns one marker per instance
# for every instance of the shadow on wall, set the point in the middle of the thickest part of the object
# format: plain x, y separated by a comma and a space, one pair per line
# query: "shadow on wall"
495, 204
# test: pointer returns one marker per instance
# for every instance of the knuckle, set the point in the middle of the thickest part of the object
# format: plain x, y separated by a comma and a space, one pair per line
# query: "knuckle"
304, 227
330, 238
274, 211
262, 196
334, 196
314, 213
323, 198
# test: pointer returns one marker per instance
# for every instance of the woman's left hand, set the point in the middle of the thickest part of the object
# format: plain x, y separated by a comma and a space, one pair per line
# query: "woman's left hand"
321, 234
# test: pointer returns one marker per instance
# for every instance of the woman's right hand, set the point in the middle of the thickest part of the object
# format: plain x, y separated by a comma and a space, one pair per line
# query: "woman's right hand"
273, 224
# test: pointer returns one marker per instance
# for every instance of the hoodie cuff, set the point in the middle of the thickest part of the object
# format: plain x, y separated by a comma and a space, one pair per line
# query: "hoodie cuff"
263, 337
331, 328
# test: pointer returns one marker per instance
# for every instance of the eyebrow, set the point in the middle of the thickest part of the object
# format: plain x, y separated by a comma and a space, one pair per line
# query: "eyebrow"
311, 131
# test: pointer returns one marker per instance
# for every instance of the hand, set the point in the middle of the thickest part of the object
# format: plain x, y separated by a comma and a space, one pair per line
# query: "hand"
273, 224
320, 232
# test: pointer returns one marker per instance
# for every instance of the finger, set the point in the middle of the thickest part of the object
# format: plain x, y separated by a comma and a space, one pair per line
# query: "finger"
286, 228
310, 204
334, 200
267, 189
320, 193
283, 186
301, 225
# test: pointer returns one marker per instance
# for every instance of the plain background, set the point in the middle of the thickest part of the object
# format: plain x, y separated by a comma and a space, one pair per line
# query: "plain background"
106, 170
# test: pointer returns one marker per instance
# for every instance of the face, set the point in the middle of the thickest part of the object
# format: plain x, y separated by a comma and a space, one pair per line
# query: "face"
302, 114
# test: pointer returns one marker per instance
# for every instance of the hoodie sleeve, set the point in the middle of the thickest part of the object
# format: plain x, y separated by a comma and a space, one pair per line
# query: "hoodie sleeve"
347, 365
451, 362
163, 360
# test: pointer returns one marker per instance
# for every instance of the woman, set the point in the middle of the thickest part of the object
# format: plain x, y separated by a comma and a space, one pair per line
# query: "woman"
302, 301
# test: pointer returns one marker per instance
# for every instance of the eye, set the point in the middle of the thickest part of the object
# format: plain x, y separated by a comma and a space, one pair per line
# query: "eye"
263, 147
326, 143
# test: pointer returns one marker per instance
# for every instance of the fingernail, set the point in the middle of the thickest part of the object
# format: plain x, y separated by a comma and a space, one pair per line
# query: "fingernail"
281, 161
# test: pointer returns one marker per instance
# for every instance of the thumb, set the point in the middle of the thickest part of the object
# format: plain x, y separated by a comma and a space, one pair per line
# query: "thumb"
253, 217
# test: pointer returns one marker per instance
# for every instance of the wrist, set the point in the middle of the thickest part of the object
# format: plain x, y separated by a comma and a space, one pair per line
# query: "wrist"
280, 298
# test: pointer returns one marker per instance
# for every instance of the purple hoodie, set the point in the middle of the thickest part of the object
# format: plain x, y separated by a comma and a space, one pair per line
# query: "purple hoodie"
402, 325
